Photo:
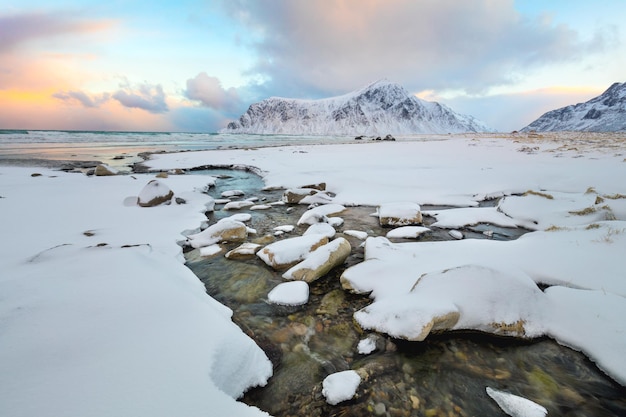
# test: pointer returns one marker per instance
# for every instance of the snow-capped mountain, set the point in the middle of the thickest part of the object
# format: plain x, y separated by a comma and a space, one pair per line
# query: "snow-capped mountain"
605, 113
378, 109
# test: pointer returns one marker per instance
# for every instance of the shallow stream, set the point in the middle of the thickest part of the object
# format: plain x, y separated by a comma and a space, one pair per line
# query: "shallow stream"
445, 375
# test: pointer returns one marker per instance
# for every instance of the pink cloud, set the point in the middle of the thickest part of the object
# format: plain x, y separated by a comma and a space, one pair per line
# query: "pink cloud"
209, 91
18, 29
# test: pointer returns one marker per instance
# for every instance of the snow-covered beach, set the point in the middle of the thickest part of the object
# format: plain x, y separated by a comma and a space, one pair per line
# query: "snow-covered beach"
99, 315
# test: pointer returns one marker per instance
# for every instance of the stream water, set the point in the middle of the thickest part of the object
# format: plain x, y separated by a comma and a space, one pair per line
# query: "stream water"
446, 375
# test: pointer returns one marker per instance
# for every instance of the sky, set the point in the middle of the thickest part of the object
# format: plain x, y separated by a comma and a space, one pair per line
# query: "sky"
195, 65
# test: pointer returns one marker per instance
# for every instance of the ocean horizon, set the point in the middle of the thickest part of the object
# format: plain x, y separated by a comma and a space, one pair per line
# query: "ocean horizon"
121, 148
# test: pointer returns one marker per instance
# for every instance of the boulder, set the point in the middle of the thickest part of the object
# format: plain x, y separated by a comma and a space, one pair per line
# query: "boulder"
232, 193
222, 231
289, 293
319, 214
294, 195
103, 170
155, 193
319, 197
245, 251
321, 229
238, 205
399, 214
319, 186
407, 232
288, 252
320, 261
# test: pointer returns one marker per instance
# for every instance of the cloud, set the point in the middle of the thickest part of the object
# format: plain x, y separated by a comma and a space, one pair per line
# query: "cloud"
42, 111
146, 97
469, 45
209, 91
82, 97
21, 28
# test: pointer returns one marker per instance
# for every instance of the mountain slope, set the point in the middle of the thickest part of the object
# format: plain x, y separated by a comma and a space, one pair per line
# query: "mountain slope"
605, 113
378, 109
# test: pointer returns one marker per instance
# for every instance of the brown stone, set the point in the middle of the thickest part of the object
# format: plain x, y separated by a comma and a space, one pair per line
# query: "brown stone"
338, 250
103, 170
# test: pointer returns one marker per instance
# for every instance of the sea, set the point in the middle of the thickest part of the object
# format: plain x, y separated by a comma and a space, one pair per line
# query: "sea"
121, 149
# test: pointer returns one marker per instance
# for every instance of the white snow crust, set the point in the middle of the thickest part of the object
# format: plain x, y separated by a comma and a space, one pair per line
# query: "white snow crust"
95, 299
99, 315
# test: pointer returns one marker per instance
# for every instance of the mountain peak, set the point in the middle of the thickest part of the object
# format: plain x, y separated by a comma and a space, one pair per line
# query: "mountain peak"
380, 108
604, 113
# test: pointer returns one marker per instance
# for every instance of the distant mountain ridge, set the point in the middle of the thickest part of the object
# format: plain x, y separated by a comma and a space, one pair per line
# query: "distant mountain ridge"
604, 113
380, 108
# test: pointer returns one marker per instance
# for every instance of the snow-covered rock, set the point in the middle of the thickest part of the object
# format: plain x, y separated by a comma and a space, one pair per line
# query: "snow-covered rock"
516, 406
103, 170
605, 113
294, 195
244, 251
340, 386
380, 108
320, 261
223, 231
237, 205
210, 250
288, 252
238, 217
407, 232
154, 193
370, 344
319, 214
359, 234
289, 293
456, 234
285, 228
319, 197
321, 229
232, 193
399, 214
450, 300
